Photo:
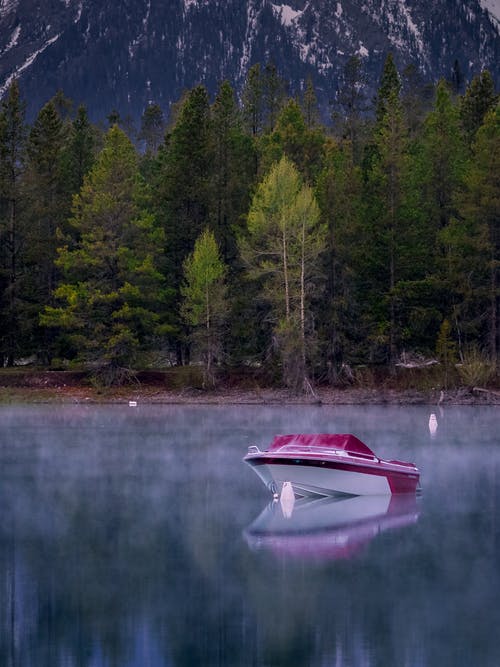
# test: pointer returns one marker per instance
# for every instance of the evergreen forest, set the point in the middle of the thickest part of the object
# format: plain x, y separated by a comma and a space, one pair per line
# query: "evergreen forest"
248, 233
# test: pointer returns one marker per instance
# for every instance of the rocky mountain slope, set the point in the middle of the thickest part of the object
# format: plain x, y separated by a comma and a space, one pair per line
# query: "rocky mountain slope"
122, 55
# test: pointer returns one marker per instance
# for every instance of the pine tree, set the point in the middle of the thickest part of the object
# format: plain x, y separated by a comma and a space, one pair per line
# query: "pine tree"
113, 118
437, 174
291, 137
184, 180
416, 98
48, 207
274, 95
442, 159
111, 298
439, 165
386, 183
152, 128
63, 106
205, 304
446, 350
232, 170
473, 241
253, 101
479, 98
352, 104
389, 88
340, 197
13, 134
183, 189
310, 105
78, 152
457, 78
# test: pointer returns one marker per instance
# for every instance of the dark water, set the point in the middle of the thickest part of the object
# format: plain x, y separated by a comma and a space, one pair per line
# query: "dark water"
135, 537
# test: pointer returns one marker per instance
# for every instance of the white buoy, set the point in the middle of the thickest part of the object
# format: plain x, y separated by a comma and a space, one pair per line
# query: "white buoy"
132, 404
433, 424
287, 499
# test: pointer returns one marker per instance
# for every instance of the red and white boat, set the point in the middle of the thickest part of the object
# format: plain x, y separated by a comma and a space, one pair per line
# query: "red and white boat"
327, 464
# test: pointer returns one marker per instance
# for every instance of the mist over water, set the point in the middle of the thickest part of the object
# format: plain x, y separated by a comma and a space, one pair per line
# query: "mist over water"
137, 537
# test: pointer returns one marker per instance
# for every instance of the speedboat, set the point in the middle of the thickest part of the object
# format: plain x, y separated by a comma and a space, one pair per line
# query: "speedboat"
325, 464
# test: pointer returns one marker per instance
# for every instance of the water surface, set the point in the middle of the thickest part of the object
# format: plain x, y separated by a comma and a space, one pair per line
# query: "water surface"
133, 537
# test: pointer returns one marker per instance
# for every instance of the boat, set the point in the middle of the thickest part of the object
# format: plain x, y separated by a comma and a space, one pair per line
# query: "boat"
325, 464
329, 528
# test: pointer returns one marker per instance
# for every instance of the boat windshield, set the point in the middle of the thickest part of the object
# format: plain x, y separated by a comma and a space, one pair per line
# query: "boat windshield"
321, 442
312, 449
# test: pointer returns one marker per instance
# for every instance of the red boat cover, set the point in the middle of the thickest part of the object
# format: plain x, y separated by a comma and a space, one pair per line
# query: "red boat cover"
344, 441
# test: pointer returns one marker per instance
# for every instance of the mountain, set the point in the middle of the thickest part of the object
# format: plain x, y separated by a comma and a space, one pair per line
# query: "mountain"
121, 55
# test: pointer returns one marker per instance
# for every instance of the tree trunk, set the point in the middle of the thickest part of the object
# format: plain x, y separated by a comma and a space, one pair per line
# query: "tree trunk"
494, 312
285, 275
392, 270
209, 342
12, 283
302, 303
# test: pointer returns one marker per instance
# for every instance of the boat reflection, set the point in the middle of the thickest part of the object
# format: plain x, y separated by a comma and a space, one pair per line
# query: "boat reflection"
329, 528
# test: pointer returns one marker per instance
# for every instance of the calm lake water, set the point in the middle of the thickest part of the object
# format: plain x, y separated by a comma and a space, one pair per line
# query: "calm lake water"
136, 537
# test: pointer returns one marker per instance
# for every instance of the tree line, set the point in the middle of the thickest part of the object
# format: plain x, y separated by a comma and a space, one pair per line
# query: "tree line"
249, 232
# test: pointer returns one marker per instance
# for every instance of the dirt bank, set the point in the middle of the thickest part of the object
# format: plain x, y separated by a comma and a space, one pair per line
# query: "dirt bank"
152, 387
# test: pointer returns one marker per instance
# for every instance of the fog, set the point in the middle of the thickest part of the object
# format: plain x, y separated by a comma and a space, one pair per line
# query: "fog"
131, 537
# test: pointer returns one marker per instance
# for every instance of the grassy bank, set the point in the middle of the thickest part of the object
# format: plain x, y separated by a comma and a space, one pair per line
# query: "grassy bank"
185, 386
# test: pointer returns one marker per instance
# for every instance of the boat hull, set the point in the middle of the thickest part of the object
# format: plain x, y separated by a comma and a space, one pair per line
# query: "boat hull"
329, 477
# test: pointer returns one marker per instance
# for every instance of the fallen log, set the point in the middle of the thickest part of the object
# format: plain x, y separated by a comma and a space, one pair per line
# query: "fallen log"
417, 364
486, 391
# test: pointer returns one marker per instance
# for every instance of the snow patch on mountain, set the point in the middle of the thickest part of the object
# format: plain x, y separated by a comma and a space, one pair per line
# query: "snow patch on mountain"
29, 61
311, 51
188, 4
141, 38
253, 11
395, 19
493, 7
286, 14
79, 12
362, 51
411, 25
175, 44
13, 39
7, 6
145, 20
412, 28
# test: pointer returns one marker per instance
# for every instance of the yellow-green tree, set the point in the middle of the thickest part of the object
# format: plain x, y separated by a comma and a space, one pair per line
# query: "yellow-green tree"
281, 249
205, 306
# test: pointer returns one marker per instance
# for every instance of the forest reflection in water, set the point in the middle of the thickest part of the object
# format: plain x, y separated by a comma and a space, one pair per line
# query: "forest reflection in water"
136, 537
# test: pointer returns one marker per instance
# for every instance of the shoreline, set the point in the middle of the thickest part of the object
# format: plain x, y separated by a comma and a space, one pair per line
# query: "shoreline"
159, 387
154, 395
